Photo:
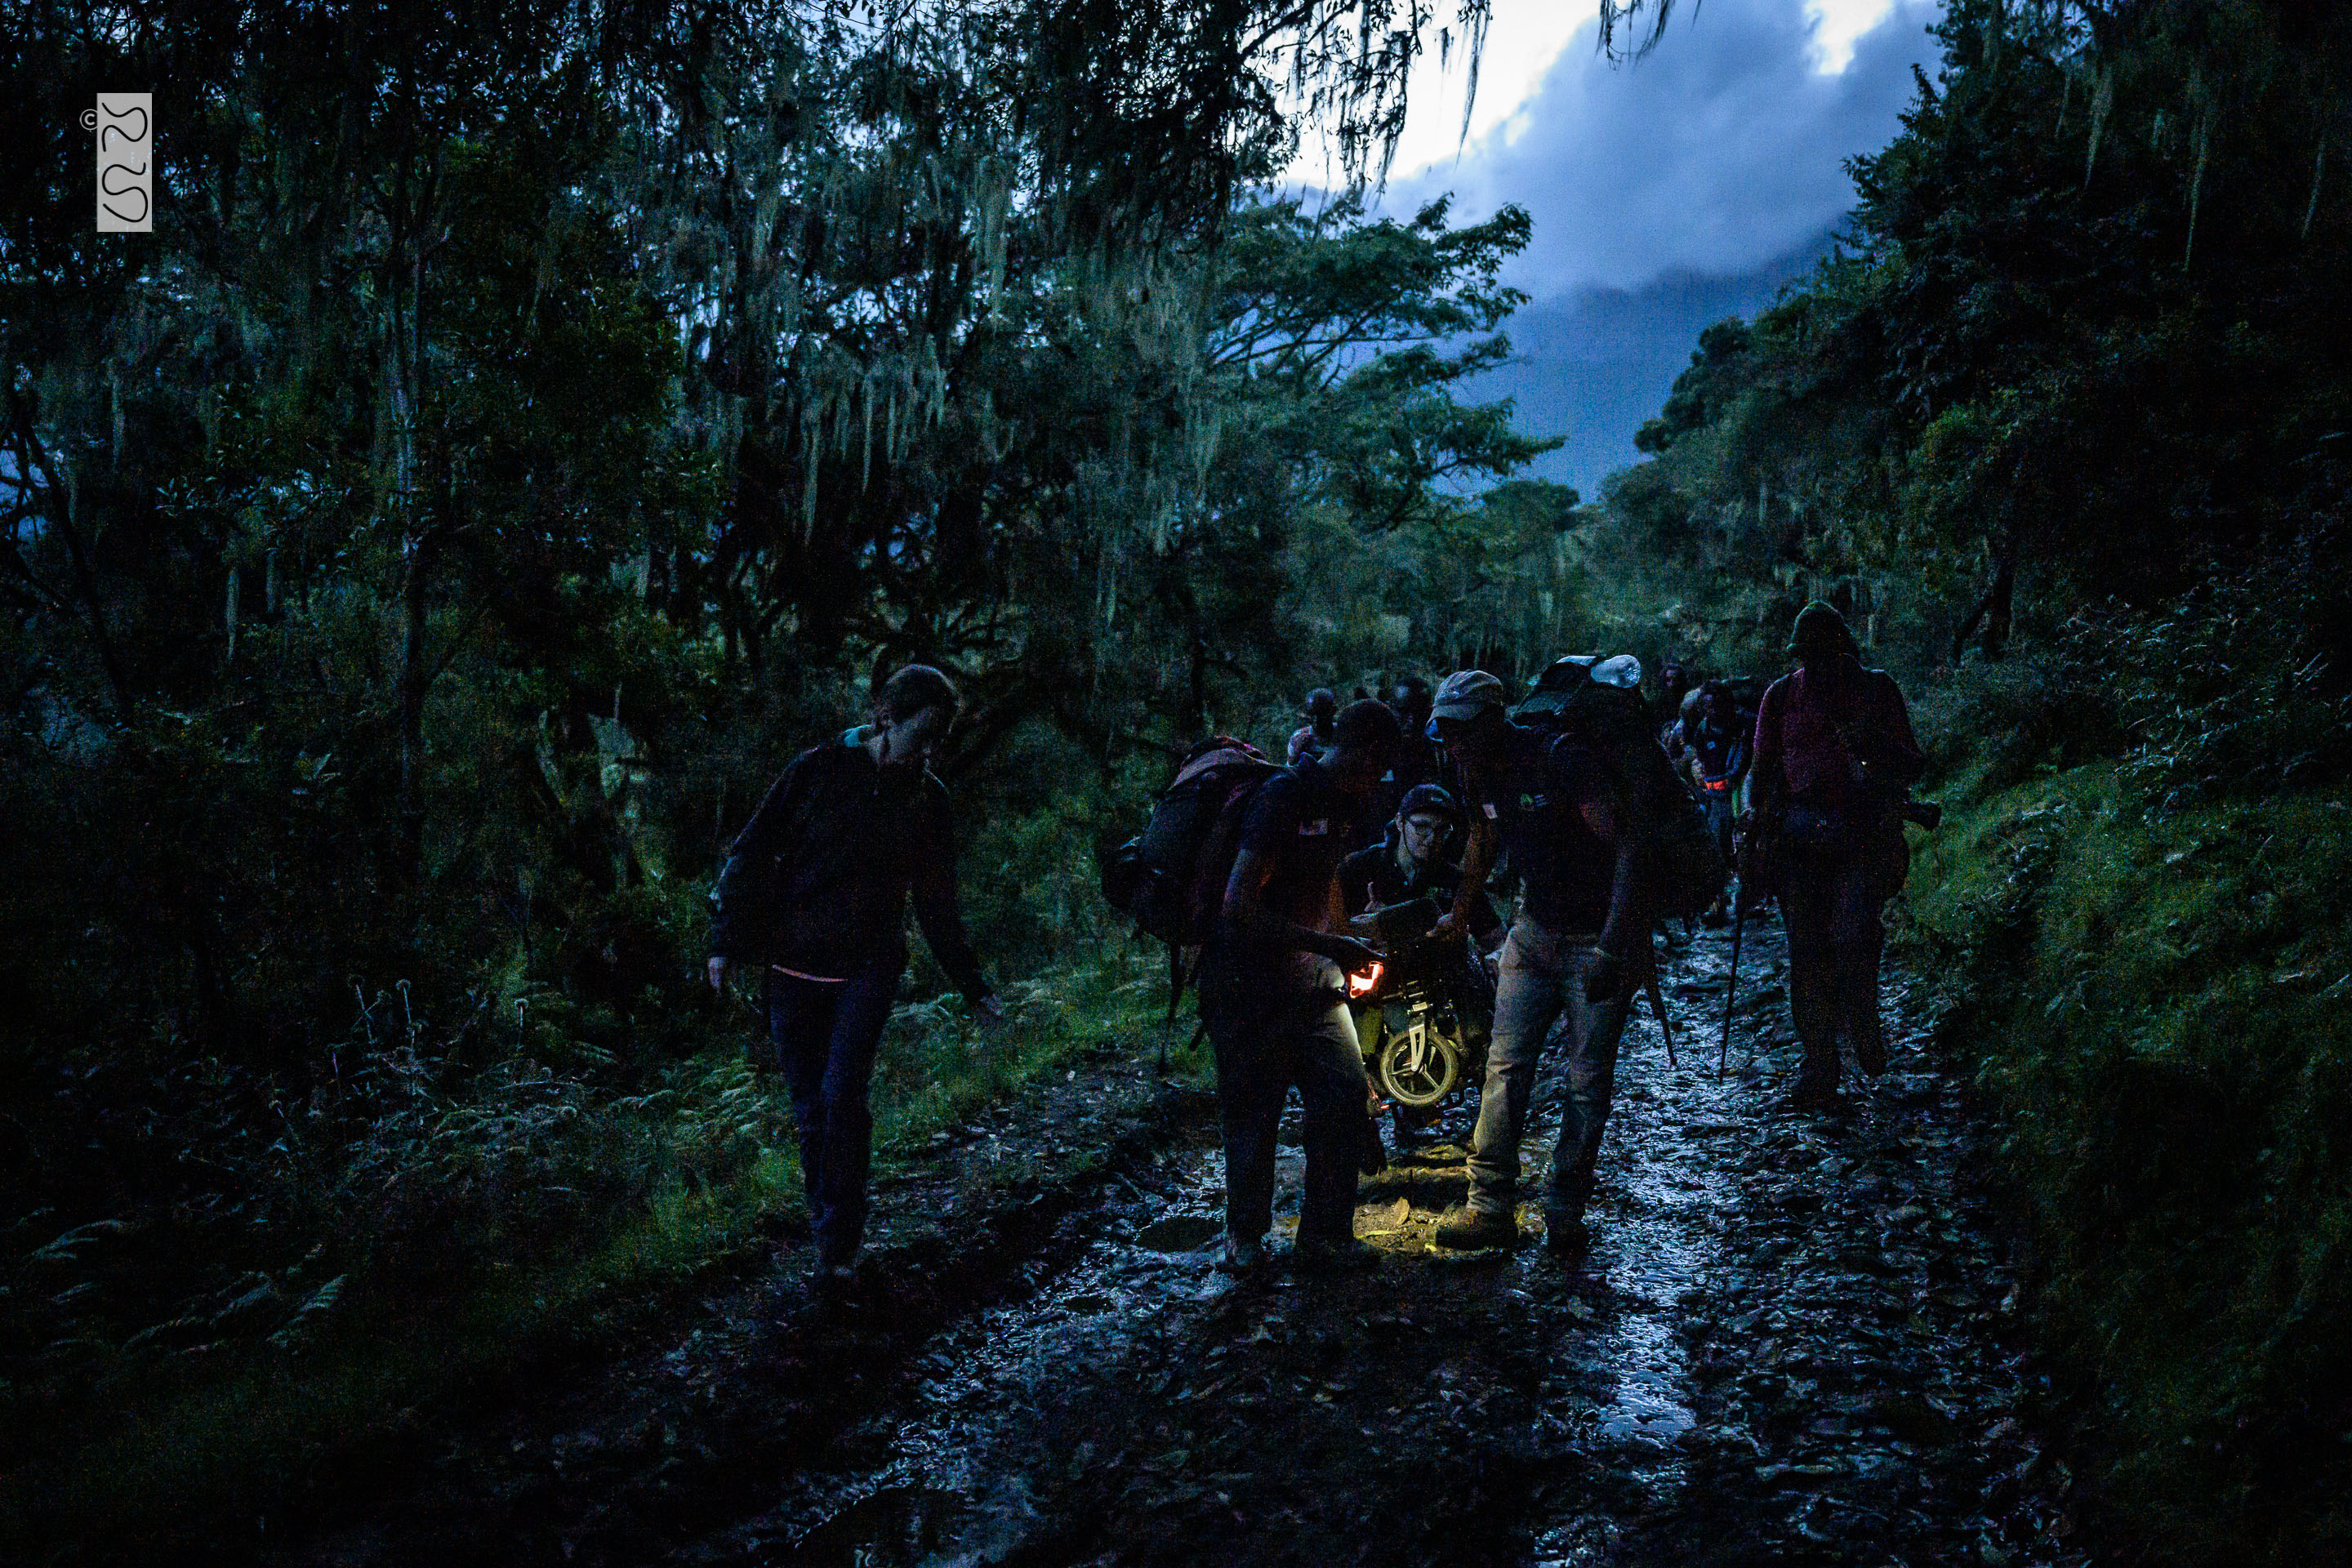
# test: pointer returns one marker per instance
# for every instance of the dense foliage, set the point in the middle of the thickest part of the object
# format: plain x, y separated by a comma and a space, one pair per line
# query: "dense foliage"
2062, 422
513, 442
2084, 333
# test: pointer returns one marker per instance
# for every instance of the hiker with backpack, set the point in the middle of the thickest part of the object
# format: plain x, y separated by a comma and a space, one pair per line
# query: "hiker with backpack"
1579, 791
815, 892
1274, 993
1835, 762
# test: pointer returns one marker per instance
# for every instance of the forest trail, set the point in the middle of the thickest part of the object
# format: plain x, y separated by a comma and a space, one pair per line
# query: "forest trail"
1789, 1343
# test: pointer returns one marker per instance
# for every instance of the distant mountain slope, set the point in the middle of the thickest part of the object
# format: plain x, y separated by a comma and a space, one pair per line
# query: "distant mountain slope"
1593, 364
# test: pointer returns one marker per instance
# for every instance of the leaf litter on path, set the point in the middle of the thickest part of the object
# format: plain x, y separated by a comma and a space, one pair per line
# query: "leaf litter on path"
1786, 1343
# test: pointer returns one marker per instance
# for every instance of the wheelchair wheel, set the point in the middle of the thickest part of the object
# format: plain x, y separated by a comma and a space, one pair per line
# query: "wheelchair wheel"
1417, 1072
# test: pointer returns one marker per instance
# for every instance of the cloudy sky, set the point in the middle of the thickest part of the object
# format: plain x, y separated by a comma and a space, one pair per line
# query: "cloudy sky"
1666, 193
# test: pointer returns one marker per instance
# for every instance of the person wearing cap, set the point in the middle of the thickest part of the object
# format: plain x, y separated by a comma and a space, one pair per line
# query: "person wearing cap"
1834, 757
1274, 996
1579, 943
1415, 863
1416, 860
1313, 737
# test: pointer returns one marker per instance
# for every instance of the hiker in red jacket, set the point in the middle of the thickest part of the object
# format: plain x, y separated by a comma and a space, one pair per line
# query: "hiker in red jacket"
1835, 757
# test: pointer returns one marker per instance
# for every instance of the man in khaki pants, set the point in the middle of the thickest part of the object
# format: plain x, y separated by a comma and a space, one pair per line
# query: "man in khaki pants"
1579, 943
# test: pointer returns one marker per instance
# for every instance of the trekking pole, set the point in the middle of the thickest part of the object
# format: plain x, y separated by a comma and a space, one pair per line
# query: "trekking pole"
1658, 1005
1731, 992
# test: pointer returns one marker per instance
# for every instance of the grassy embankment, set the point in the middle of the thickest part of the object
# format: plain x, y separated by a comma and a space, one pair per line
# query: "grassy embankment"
2156, 1010
680, 1186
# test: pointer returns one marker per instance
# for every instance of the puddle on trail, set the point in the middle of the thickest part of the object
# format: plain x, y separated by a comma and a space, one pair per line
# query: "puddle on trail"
1697, 1390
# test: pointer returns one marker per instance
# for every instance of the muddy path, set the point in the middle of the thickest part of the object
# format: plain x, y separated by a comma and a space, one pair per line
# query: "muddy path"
1791, 1341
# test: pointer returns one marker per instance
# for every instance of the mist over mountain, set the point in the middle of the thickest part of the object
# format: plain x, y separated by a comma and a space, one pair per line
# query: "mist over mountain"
1594, 363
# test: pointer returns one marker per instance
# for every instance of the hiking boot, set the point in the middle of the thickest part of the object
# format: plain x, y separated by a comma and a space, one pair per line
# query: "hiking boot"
1812, 1093
1717, 916
1467, 1229
833, 1283
1243, 1254
1566, 1235
1352, 1253
1870, 1058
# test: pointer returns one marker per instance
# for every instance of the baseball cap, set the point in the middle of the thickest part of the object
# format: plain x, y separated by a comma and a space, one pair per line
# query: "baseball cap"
1429, 797
1467, 693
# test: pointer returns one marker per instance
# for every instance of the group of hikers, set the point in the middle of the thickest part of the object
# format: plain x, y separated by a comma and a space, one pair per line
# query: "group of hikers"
1609, 824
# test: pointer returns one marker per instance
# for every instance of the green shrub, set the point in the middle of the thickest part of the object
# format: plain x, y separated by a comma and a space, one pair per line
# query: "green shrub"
2240, 686
2155, 1006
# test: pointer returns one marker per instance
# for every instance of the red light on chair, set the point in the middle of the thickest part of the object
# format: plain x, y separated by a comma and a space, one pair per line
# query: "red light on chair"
1361, 984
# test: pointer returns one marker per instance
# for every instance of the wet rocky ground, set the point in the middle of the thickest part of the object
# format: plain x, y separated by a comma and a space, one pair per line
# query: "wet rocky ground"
1790, 1341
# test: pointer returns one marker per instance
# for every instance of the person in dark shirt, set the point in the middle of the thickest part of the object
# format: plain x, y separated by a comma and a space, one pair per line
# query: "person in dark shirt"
1414, 762
1580, 943
1675, 683
1274, 996
1413, 866
814, 891
1414, 862
1835, 756
1313, 737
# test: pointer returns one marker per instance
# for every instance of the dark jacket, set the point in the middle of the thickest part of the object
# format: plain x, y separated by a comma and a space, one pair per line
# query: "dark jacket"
818, 879
1414, 762
1372, 880
1300, 826
1545, 801
1719, 743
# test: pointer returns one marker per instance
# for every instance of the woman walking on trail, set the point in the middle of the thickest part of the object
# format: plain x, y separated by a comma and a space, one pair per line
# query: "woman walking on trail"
814, 889
1835, 758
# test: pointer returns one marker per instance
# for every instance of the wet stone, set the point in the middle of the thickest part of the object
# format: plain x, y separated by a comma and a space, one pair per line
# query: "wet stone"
1179, 1233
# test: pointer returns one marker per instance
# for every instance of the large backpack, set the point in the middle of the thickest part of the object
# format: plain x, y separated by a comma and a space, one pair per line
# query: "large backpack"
1602, 700
1171, 877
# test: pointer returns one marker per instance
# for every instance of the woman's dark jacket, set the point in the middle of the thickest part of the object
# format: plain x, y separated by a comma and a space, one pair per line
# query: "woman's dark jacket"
818, 879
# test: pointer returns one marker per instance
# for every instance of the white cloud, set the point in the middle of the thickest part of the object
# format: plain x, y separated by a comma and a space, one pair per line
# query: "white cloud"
1722, 149
1838, 25
1523, 38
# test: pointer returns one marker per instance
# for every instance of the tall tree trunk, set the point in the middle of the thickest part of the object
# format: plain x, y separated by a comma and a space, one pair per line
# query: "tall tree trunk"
57, 508
1993, 611
416, 677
